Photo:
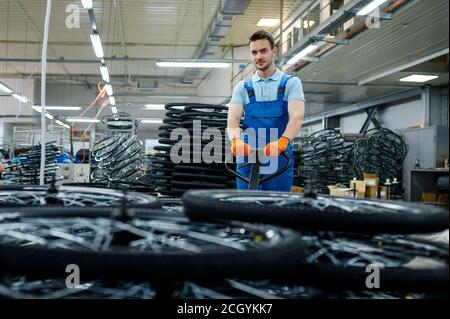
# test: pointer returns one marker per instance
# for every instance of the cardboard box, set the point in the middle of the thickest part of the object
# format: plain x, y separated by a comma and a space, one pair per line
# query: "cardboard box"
344, 192
371, 192
352, 194
435, 199
359, 185
443, 199
296, 189
371, 180
429, 197
338, 191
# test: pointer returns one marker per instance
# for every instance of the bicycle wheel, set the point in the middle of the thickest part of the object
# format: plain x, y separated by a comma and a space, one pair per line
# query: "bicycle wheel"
22, 287
340, 262
140, 245
316, 213
71, 196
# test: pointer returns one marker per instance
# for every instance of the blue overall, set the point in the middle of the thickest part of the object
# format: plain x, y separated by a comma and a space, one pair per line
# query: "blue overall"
267, 115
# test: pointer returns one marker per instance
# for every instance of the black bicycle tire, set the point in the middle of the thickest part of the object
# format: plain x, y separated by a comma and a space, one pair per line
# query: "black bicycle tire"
333, 278
204, 204
189, 108
199, 185
257, 263
193, 177
162, 148
198, 114
154, 204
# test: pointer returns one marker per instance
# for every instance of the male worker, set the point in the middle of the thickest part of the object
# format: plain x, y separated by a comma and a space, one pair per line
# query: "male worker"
269, 99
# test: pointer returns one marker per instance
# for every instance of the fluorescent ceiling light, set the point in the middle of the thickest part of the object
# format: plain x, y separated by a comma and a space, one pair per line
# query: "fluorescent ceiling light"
97, 44
49, 116
157, 107
174, 64
5, 89
418, 78
370, 7
59, 122
303, 53
20, 97
109, 89
83, 120
105, 73
66, 125
168, 97
152, 121
268, 22
112, 100
87, 4
114, 109
37, 108
308, 23
57, 108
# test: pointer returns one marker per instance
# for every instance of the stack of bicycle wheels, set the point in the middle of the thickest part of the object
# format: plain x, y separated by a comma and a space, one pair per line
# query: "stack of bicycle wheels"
345, 239
380, 152
118, 159
193, 149
325, 160
222, 244
30, 162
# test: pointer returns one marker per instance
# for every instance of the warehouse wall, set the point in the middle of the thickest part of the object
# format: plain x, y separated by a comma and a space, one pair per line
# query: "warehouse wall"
438, 110
68, 94
5, 133
401, 115
10, 106
311, 128
395, 116
219, 82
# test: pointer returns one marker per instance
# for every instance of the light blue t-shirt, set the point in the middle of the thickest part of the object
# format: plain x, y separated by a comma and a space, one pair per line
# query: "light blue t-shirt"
266, 89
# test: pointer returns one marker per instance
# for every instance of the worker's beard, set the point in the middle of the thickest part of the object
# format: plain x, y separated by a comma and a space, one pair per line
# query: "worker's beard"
263, 67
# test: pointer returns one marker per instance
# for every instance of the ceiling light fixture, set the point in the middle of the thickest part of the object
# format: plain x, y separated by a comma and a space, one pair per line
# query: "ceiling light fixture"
57, 108
114, 109
83, 120
109, 89
20, 97
152, 121
87, 4
418, 78
192, 64
97, 44
112, 100
156, 107
303, 53
268, 22
370, 7
5, 89
105, 73
168, 97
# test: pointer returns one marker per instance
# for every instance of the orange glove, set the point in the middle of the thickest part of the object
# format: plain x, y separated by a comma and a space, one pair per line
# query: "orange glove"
239, 148
275, 148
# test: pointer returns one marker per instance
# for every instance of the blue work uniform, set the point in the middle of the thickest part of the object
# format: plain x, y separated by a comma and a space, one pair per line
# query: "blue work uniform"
267, 114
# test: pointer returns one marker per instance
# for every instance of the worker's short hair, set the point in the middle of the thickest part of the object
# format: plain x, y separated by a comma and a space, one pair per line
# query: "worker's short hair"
262, 35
